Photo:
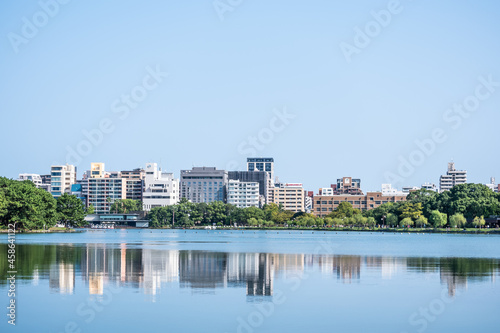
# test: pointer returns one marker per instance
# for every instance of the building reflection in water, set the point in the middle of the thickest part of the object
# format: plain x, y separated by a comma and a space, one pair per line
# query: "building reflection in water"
203, 271
348, 268
61, 278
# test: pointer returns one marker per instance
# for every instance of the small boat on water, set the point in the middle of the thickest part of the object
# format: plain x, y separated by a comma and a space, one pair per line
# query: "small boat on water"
102, 226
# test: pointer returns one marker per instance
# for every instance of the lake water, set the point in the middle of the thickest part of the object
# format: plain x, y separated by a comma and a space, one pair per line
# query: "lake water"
253, 281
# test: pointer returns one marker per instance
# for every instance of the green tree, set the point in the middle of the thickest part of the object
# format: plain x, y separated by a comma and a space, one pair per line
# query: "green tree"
437, 219
391, 220
216, 212
478, 222
337, 222
457, 220
344, 209
471, 200
267, 223
3, 205
25, 205
359, 220
236, 215
90, 210
380, 213
411, 210
428, 199
371, 222
163, 216
406, 222
253, 222
251, 212
421, 221
282, 216
70, 211
124, 206
185, 221
271, 210
328, 221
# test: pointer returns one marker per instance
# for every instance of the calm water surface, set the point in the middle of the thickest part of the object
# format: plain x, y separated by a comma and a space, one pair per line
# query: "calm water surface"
234, 281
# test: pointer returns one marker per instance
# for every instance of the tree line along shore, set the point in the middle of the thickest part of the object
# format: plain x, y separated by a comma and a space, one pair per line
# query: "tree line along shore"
469, 206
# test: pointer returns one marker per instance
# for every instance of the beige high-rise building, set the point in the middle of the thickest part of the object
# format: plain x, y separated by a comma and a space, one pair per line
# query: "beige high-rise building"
291, 196
135, 183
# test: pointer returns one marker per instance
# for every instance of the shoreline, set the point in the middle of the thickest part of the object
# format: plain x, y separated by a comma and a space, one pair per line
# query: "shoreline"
388, 230
393, 230
6, 231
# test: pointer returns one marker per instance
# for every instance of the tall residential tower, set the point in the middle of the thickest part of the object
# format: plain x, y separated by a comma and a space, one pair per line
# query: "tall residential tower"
453, 177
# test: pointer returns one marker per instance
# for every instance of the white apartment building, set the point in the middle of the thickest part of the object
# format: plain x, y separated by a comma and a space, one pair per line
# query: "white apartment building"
387, 189
243, 194
492, 186
407, 189
290, 195
308, 204
453, 177
160, 188
62, 177
430, 187
35, 178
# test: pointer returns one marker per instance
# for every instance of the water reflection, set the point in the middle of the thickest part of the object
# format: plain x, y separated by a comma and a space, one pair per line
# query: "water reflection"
204, 271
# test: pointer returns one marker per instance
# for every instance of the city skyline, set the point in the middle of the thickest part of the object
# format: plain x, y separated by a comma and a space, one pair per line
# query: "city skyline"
86, 173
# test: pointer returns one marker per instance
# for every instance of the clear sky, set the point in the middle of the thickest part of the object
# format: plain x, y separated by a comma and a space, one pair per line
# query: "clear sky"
321, 86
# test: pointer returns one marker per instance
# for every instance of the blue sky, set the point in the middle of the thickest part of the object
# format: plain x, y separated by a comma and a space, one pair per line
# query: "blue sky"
228, 78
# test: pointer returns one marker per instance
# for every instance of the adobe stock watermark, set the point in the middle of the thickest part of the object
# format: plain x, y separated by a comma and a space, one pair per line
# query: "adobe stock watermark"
454, 117
122, 108
253, 144
222, 7
425, 315
363, 36
31, 25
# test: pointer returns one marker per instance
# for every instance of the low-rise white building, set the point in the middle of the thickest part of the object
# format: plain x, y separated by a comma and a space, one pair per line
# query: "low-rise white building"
326, 191
387, 189
408, 189
35, 178
160, 188
243, 194
430, 186
492, 185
